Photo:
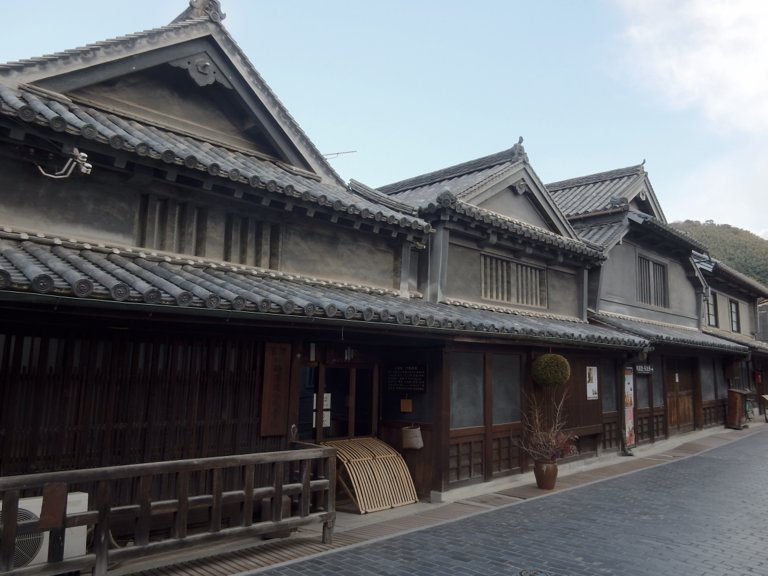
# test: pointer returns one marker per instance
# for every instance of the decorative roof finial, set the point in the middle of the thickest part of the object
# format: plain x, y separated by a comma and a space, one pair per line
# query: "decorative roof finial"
518, 151
210, 8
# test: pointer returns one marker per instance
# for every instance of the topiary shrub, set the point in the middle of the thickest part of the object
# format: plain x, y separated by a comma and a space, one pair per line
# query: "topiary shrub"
550, 370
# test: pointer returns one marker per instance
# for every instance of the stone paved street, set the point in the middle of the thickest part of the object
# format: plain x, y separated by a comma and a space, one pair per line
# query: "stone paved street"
701, 516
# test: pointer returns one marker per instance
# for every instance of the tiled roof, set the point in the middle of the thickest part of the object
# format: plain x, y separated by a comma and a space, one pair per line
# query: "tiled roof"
604, 233
20, 99
449, 187
89, 51
38, 266
191, 24
660, 333
458, 177
168, 147
519, 228
609, 229
752, 343
603, 192
666, 230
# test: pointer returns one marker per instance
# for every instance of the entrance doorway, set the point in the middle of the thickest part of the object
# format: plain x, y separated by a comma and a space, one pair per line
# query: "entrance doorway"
337, 402
678, 374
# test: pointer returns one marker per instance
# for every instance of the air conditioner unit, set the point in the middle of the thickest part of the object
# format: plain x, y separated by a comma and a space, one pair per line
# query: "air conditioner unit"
32, 548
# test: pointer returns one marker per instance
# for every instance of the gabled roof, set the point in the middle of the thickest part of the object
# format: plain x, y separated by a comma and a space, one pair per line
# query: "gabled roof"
469, 172
468, 181
196, 42
721, 272
40, 96
606, 192
661, 333
74, 274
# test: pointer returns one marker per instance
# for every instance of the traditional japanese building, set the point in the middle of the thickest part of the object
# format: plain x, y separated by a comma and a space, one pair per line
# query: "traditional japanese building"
650, 286
182, 275
731, 313
501, 244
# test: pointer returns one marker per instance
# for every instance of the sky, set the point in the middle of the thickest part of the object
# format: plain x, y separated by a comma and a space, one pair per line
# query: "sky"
393, 89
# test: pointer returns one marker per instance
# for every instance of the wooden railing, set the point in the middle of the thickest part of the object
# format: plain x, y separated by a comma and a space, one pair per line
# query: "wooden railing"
292, 488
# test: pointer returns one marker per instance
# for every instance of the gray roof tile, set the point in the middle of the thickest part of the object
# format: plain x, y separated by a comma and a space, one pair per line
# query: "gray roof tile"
472, 170
597, 192
41, 265
517, 227
659, 333
181, 150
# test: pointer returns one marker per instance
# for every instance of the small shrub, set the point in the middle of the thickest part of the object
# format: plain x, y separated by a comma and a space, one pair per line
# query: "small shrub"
550, 370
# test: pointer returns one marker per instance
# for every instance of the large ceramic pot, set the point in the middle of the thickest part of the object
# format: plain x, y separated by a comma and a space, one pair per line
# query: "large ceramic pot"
545, 472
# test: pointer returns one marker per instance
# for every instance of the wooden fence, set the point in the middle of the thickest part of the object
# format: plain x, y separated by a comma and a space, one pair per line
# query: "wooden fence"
300, 490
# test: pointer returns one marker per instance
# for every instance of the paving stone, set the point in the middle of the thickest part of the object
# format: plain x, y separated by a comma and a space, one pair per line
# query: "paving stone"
704, 515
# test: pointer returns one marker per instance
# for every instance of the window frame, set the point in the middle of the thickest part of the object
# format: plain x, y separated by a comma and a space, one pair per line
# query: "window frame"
651, 290
734, 313
712, 312
507, 281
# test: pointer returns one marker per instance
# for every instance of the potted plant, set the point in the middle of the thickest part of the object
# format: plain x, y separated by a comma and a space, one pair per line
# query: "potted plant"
545, 438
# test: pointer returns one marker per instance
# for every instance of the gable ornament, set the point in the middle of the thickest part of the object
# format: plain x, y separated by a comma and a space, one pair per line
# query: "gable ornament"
202, 69
520, 187
210, 8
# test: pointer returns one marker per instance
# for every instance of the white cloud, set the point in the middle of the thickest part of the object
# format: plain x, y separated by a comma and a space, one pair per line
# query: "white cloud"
707, 54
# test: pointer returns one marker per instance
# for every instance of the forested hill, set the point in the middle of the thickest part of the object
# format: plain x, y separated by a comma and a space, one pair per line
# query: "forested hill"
740, 249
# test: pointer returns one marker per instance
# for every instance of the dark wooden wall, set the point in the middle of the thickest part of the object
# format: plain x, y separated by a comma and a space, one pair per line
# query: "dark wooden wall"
82, 397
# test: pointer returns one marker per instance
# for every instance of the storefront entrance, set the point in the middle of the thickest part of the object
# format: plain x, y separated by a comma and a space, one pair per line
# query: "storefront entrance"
337, 402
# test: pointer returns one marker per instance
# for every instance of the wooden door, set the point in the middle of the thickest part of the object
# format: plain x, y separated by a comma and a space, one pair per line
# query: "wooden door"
679, 381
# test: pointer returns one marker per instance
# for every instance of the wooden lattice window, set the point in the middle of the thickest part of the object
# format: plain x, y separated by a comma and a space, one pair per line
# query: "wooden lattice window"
652, 282
512, 282
167, 224
248, 240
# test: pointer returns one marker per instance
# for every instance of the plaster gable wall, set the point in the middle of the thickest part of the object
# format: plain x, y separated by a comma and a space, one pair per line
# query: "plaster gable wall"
101, 208
464, 281
167, 95
338, 254
619, 287
512, 205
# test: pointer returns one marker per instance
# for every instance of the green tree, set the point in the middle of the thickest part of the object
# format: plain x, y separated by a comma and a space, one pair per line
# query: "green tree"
740, 249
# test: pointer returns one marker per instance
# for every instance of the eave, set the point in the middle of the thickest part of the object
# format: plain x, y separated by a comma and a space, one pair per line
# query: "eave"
490, 228
58, 273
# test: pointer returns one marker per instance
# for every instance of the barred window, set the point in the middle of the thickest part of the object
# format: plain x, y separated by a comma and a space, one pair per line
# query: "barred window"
167, 224
512, 282
652, 282
247, 240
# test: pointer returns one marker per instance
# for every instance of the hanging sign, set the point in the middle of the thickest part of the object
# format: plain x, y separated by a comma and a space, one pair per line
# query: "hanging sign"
408, 378
629, 407
592, 393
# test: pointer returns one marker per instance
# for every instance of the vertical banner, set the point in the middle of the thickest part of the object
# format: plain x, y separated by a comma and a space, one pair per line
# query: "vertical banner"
592, 389
629, 407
